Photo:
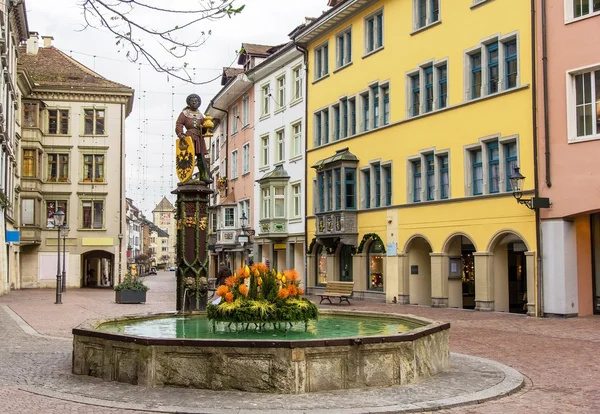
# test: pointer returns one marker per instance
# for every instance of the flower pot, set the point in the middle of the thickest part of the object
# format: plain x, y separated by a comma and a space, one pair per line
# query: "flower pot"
130, 296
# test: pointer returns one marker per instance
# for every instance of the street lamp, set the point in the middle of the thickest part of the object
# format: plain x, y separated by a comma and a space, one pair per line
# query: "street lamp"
533, 203
64, 232
243, 238
59, 219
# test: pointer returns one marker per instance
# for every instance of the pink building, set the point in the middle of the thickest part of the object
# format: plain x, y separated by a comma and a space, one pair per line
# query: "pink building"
568, 100
232, 163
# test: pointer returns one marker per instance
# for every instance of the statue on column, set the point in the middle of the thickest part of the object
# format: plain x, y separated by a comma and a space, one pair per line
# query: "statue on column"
191, 148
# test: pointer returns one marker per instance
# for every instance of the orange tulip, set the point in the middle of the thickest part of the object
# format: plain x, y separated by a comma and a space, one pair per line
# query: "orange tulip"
230, 281
240, 272
283, 293
292, 289
300, 291
243, 289
222, 290
229, 297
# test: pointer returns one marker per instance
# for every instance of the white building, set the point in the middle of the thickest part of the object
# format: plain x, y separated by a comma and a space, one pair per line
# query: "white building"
13, 30
279, 170
134, 239
73, 128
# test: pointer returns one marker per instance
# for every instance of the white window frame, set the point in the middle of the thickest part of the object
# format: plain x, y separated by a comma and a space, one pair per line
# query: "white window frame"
235, 119
296, 199
246, 158
244, 207
428, 14
279, 145
245, 111
264, 148
234, 164
280, 83
320, 51
265, 208
296, 134
376, 46
482, 48
232, 210
280, 197
343, 57
570, 11
265, 100
572, 107
297, 83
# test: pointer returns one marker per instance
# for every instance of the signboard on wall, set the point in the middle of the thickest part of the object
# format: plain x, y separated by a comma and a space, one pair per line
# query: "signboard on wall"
13, 236
392, 249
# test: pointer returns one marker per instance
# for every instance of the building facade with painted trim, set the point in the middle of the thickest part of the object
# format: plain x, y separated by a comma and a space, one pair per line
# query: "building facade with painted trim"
417, 113
569, 141
73, 128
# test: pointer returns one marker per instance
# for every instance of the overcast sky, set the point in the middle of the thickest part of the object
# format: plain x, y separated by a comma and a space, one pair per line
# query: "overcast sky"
159, 98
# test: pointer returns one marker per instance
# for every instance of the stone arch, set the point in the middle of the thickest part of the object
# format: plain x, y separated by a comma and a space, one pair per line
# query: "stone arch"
450, 239
412, 239
367, 240
500, 235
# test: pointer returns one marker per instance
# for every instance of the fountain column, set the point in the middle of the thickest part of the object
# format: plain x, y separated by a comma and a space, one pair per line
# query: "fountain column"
192, 245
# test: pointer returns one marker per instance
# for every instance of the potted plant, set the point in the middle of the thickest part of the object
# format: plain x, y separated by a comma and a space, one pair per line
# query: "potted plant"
131, 290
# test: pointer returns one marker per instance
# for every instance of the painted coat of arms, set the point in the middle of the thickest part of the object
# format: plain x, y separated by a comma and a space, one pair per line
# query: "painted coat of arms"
185, 159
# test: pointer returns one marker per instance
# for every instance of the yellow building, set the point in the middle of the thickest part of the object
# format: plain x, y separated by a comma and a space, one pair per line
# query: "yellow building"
418, 111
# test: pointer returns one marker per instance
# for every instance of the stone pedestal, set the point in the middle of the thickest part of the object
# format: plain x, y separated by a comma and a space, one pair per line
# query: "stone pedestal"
192, 245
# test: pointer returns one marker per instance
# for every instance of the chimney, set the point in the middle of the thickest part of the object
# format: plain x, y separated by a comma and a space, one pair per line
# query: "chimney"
47, 41
33, 43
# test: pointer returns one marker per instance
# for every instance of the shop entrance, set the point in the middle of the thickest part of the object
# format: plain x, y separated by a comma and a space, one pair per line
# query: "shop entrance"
517, 279
97, 269
346, 274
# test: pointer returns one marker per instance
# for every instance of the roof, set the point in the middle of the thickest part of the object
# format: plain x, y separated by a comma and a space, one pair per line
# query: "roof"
51, 67
230, 73
343, 154
277, 173
164, 205
253, 49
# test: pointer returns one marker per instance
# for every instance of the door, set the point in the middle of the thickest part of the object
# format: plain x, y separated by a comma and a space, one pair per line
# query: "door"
346, 274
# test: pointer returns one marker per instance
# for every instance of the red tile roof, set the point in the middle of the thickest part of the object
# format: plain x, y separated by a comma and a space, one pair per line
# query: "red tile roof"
51, 67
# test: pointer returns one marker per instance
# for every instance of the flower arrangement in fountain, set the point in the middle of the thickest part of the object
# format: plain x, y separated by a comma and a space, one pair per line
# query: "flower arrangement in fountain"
258, 295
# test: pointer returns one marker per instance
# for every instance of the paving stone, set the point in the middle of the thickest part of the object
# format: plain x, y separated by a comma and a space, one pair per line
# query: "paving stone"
555, 355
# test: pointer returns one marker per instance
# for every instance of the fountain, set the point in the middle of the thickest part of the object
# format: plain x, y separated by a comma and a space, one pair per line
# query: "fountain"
257, 339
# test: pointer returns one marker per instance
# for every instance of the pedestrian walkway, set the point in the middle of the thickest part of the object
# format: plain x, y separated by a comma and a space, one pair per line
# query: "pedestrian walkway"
554, 355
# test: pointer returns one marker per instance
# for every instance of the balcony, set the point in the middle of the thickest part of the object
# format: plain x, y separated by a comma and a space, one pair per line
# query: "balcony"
31, 234
338, 225
273, 228
226, 237
31, 185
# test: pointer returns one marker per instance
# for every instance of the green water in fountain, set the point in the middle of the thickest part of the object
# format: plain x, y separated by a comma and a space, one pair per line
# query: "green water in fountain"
198, 327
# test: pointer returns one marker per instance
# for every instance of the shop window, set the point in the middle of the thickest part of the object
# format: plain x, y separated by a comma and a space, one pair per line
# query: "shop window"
375, 265
321, 261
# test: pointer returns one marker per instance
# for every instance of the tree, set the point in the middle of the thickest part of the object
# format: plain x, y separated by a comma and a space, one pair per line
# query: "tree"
134, 22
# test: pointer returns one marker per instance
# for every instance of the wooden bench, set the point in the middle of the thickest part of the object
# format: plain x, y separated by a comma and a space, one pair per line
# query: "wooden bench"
342, 290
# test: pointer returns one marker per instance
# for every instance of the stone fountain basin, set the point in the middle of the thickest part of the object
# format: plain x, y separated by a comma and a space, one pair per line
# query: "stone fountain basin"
272, 366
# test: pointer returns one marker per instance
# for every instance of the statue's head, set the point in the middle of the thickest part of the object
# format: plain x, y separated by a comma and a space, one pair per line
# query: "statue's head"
193, 101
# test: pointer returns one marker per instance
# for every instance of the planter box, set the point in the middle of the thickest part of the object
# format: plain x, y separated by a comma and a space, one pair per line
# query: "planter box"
130, 296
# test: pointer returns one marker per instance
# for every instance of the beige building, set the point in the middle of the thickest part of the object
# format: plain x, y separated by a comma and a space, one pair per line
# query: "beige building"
73, 127
163, 216
13, 30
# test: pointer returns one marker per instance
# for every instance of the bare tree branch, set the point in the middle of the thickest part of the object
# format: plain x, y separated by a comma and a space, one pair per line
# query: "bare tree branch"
132, 29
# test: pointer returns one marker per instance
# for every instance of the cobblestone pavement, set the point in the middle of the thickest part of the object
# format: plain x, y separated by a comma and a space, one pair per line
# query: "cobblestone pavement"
555, 355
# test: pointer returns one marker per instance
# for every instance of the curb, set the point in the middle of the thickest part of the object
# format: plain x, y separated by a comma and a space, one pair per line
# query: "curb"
512, 382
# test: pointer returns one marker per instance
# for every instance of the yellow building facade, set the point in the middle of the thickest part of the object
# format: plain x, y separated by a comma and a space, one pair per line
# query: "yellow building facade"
418, 111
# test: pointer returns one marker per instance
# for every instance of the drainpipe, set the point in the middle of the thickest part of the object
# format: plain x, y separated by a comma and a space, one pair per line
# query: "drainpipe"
121, 178
538, 224
305, 53
545, 85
